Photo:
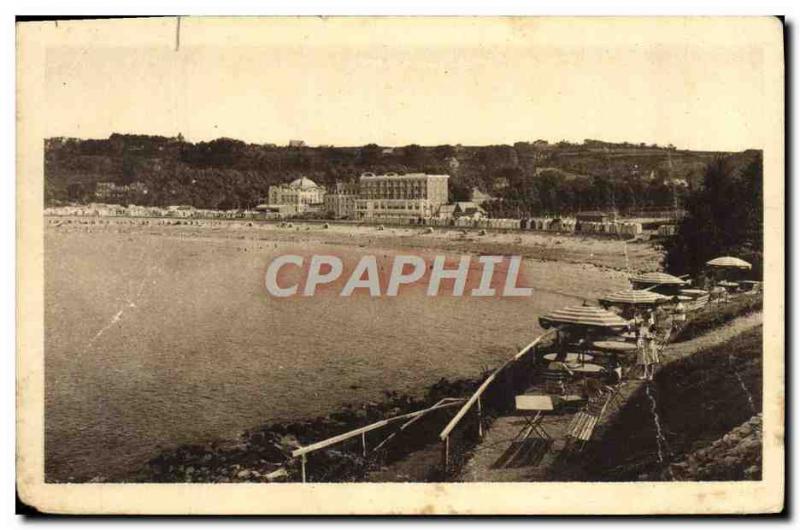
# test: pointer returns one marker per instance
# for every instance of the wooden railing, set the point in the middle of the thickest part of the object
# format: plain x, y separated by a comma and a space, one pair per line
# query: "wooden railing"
475, 399
302, 452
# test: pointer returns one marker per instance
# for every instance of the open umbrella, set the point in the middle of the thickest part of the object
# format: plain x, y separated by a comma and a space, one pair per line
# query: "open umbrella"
590, 316
729, 262
634, 297
658, 278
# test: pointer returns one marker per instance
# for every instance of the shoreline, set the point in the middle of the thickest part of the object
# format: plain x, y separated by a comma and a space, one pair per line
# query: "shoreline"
597, 250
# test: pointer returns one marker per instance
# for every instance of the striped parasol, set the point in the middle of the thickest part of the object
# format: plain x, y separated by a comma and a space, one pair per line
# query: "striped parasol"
634, 297
658, 278
729, 262
583, 316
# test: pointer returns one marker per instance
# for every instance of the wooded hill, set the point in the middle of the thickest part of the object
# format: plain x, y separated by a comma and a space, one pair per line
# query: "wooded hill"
527, 178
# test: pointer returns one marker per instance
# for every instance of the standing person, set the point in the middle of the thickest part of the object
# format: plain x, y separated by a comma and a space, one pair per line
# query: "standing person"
663, 325
642, 348
637, 320
653, 359
679, 313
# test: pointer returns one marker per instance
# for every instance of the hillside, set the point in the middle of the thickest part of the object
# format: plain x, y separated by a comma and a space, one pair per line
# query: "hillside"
706, 405
531, 177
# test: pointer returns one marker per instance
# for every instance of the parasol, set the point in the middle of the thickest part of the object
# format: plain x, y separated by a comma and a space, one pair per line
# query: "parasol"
658, 278
634, 297
729, 262
591, 316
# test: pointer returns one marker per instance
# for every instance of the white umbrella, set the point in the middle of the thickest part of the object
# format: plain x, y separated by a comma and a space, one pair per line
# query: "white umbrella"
729, 262
583, 316
634, 297
658, 278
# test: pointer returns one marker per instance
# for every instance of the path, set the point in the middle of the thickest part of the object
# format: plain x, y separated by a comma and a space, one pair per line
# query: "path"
481, 465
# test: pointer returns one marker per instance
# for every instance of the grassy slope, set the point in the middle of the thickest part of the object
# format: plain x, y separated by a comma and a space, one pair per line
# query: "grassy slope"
698, 399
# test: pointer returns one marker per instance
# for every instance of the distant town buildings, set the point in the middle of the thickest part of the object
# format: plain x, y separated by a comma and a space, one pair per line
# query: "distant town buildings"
596, 217
110, 191
299, 196
340, 202
297, 143
393, 196
479, 197
463, 209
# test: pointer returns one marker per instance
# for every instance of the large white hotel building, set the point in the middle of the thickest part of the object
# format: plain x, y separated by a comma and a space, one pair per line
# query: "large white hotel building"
393, 196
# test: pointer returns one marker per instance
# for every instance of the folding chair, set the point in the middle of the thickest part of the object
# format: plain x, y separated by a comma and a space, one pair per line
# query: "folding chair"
582, 426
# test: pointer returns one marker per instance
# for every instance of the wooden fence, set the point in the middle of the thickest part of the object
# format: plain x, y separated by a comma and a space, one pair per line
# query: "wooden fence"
410, 418
495, 394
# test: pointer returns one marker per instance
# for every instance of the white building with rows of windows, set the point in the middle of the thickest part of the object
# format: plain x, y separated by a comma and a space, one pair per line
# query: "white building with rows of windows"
393, 196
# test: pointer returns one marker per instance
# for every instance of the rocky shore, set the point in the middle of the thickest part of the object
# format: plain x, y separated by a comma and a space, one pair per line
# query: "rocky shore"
263, 454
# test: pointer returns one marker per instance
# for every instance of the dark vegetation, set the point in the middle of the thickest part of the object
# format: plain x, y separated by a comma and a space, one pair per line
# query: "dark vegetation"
699, 400
527, 178
725, 216
715, 315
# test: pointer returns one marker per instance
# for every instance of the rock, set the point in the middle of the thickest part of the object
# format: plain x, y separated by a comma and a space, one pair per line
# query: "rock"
749, 445
288, 442
278, 474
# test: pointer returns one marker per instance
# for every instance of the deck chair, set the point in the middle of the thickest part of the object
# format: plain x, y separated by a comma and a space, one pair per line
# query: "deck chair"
580, 429
582, 426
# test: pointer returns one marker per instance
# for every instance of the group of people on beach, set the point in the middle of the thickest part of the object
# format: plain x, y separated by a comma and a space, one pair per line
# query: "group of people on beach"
653, 329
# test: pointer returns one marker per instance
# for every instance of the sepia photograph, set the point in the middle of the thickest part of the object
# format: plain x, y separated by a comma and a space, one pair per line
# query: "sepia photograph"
408, 265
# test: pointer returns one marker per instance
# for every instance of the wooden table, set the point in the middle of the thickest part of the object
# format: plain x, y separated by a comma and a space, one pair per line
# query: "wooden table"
614, 346
532, 407
569, 358
588, 368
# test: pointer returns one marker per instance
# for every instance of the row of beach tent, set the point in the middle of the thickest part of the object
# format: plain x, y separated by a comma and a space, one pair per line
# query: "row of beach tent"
541, 224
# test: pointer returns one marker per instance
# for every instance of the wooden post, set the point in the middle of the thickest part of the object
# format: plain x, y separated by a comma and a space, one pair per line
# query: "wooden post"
303, 467
480, 420
445, 455
364, 444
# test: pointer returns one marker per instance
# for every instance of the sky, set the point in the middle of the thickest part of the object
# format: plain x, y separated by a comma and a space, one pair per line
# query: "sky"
401, 81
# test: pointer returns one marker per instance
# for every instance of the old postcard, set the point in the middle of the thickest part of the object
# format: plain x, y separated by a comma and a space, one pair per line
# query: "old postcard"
401, 265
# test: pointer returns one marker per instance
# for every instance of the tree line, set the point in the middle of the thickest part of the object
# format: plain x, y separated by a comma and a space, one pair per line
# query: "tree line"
526, 178
725, 216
